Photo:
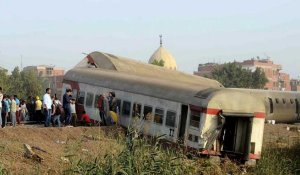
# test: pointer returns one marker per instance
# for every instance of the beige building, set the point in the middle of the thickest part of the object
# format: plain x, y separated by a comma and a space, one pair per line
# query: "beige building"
163, 54
53, 75
295, 85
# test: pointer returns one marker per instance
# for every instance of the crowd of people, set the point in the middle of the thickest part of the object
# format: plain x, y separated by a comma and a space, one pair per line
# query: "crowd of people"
49, 110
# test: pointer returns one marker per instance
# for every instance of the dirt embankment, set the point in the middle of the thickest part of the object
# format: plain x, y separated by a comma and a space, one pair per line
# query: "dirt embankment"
57, 146
60, 147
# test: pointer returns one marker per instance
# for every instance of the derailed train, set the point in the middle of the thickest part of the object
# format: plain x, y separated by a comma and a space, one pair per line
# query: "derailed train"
179, 106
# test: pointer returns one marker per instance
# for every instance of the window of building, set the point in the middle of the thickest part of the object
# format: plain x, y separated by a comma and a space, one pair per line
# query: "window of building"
81, 97
148, 115
126, 108
89, 99
271, 105
277, 100
292, 101
195, 119
136, 110
170, 118
159, 116
49, 71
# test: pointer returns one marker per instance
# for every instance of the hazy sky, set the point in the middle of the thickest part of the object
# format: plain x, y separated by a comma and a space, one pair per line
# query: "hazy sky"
58, 31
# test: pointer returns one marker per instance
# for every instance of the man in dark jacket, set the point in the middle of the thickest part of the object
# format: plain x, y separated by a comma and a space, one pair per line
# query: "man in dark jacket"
66, 105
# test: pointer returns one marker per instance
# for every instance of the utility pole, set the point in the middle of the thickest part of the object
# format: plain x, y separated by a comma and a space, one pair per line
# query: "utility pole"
21, 62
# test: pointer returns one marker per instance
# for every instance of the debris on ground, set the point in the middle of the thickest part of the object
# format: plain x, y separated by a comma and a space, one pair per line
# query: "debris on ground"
30, 154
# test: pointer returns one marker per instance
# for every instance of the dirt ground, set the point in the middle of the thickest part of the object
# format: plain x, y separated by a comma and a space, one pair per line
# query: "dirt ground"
60, 146
57, 147
283, 135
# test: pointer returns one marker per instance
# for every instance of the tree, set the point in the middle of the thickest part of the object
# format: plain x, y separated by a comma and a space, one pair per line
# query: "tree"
23, 84
160, 63
31, 84
259, 78
234, 76
16, 83
4, 83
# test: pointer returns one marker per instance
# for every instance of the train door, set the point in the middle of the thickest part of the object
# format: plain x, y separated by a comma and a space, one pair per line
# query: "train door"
80, 104
182, 124
237, 136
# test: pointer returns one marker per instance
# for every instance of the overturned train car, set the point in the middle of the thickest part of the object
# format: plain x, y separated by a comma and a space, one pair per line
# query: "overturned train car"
197, 111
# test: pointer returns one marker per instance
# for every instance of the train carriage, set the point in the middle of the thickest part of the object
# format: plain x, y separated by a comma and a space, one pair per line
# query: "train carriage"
170, 103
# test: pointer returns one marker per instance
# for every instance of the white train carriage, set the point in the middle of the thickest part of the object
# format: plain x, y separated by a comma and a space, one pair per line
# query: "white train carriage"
281, 106
171, 103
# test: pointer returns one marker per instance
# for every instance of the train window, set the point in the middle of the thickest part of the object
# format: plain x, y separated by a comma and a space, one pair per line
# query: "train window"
89, 99
81, 97
74, 93
96, 101
283, 101
193, 138
277, 100
136, 110
170, 119
126, 108
271, 106
292, 101
195, 119
148, 113
159, 116
297, 106
118, 105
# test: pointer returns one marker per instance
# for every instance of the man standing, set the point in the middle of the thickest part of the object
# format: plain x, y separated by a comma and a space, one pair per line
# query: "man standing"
1, 98
38, 110
18, 108
5, 107
47, 105
13, 110
67, 106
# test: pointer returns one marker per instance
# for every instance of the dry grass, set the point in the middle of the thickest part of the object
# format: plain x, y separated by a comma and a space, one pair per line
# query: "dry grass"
60, 145
92, 150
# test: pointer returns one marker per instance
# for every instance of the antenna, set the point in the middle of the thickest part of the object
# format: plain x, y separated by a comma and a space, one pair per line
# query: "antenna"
21, 62
160, 36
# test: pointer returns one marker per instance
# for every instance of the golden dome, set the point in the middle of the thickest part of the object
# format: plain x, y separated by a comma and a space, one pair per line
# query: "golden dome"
162, 54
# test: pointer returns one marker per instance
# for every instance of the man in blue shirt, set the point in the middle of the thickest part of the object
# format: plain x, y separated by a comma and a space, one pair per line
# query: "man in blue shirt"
5, 110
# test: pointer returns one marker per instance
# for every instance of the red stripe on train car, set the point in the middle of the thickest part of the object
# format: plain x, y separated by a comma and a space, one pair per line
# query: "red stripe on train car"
210, 111
259, 115
254, 156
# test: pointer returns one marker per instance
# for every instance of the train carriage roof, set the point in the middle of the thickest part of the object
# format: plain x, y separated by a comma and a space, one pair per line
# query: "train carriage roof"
106, 61
151, 86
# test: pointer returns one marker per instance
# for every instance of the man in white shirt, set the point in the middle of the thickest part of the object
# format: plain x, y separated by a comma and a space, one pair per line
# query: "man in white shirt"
47, 104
